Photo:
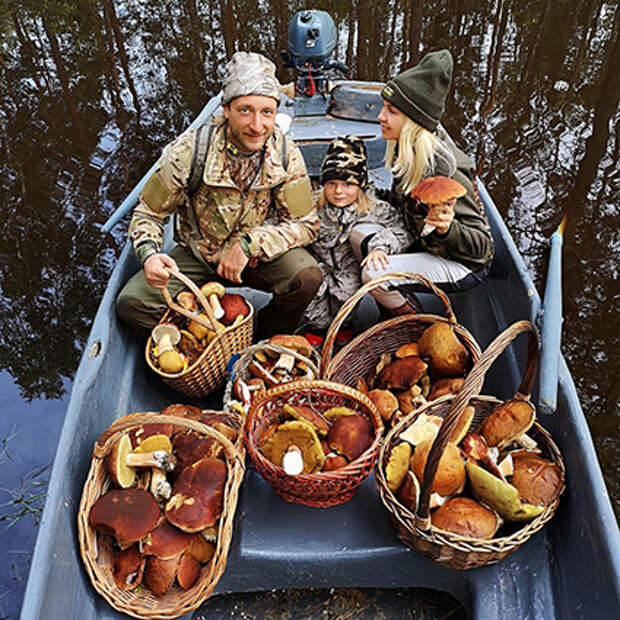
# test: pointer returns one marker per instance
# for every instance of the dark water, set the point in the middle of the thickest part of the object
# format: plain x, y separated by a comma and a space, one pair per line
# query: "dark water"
90, 91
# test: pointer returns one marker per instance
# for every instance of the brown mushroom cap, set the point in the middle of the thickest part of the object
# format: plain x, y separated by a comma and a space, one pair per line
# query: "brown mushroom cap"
450, 476
507, 422
187, 300
446, 355
307, 414
406, 350
351, 436
159, 574
128, 568
435, 190
333, 462
220, 423
474, 446
293, 342
183, 411
233, 306
127, 514
465, 517
200, 548
385, 402
188, 571
538, 480
197, 495
403, 373
409, 492
144, 431
165, 541
466, 417
190, 447
448, 385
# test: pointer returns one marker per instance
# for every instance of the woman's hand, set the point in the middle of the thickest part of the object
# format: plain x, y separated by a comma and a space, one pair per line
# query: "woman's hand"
156, 270
440, 216
378, 260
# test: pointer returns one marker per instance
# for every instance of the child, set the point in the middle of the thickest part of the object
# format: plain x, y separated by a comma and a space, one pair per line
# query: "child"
345, 201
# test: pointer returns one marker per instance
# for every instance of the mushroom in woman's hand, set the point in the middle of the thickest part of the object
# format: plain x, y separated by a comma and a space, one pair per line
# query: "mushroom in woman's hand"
213, 291
437, 191
165, 336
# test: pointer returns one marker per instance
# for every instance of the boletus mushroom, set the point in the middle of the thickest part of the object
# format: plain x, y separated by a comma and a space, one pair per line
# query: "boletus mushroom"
507, 422
159, 574
438, 190
233, 306
165, 336
122, 474
128, 568
397, 465
188, 571
165, 541
538, 480
403, 373
445, 353
351, 436
465, 517
301, 435
385, 402
450, 475
309, 415
213, 291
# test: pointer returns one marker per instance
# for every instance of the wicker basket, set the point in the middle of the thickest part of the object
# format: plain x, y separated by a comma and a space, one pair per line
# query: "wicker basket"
360, 356
415, 530
240, 368
320, 490
208, 372
97, 552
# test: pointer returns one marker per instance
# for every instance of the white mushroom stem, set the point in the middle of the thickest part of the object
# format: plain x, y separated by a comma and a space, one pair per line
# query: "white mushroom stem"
214, 302
525, 441
292, 461
165, 344
160, 459
160, 487
285, 363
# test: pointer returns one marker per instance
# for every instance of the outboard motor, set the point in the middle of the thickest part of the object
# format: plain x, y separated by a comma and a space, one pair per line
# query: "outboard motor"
311, 42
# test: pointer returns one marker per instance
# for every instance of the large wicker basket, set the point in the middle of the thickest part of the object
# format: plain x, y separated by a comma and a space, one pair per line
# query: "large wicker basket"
240, 367
97, 551
359, 357
415, 530
208, 372
321, 489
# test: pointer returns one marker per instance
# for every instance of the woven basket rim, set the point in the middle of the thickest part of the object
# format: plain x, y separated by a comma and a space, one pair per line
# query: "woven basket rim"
203, 588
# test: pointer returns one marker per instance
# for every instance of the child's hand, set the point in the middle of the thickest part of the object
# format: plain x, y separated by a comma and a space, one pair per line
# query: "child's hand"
378, 259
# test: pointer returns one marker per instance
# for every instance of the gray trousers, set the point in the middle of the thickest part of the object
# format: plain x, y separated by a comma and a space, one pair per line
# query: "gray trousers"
437, 269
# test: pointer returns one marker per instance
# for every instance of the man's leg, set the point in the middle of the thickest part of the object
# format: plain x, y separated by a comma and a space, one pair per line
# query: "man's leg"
140, 306
294, 279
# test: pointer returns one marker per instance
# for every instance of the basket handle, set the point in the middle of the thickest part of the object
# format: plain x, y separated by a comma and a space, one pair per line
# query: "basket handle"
212, 324
348, 306
470, 388
104, 444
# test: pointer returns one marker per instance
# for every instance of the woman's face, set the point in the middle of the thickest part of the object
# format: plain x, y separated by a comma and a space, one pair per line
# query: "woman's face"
392, 121
340, 193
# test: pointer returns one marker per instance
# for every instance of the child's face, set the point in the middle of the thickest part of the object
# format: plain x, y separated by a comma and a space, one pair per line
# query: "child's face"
340, 193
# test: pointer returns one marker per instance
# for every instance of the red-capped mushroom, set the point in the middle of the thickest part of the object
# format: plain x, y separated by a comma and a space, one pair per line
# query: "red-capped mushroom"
437, 191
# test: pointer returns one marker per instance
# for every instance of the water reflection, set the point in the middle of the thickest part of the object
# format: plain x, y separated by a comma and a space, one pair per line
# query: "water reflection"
91, 90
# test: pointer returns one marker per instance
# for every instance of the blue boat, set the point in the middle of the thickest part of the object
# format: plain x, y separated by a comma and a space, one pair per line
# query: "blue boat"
570, 569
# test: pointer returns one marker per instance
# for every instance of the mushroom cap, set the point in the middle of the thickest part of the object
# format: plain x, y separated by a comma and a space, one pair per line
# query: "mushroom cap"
144, 431
233, 306
448, 385
296, 433
397, 465
183, 411
405, 350
403, 373
466, 417
333, 462
465, 517
335, 413
200, 548
507, 422
188, 571
450, 475
474, 446
220, 423
162, 329
190, 447
187, 300
295, 342
538, 480
128, 568
446, 355
213, 288
165, 541
307, 414
127, 514
159, 574
409, 492
435, 190
351, 436
385, 402
198, 495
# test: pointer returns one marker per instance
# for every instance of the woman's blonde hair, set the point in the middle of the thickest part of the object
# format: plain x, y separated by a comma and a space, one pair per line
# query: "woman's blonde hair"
363, 203
416, 155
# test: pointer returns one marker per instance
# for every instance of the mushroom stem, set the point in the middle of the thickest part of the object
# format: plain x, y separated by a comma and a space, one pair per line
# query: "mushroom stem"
165, 344
160, 487
159, 459
292, 461
214, 302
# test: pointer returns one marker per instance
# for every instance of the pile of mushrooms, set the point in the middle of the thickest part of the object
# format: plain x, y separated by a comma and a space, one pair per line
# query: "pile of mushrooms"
417, 372
165, 501
179, 342
484, 479
277, 362
309, 441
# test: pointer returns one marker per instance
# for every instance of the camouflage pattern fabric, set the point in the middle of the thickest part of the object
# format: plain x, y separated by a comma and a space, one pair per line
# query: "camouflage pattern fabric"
346, 160
249, 73
340, 267
275, 214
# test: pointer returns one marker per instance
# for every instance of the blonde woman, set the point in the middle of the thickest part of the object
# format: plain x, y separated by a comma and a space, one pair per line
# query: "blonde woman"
457, 251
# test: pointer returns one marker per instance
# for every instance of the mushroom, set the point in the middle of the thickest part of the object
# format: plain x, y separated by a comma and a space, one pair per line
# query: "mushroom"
188, 571
397, 465
507, 422
199, 331
411, 348
187, 300
297, 343
437, 191
165, 336
159, 574
538, 480
127, 514
159, 459
190, 447
234, 306
122, 474
334, 461
261, 372
200, 548
385, 402
465, 517
449, 385
298, 434
446, 355
165, 541
306, 414
213, 291
351, 436
403, 373
183, 411
140, 434
292, 461
425, 427
128, 568
450, 475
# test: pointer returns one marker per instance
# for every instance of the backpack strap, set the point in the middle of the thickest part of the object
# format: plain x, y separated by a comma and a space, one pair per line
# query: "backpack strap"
202, 143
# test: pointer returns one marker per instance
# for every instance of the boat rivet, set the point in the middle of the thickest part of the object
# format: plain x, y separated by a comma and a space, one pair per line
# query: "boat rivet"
95, 349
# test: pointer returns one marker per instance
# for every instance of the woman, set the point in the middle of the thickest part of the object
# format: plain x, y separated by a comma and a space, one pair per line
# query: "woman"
457, 251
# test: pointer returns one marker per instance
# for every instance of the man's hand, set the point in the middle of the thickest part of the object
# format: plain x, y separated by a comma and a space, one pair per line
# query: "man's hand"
440, 216
156, 269
232, 263
378, 259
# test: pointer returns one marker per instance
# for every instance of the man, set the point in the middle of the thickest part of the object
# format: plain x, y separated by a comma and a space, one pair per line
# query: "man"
246, 221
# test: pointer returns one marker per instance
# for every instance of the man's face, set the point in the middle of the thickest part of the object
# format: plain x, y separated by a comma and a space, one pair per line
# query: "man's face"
251, 120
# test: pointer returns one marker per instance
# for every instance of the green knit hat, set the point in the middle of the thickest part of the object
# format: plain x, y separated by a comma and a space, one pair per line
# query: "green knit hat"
420, 92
